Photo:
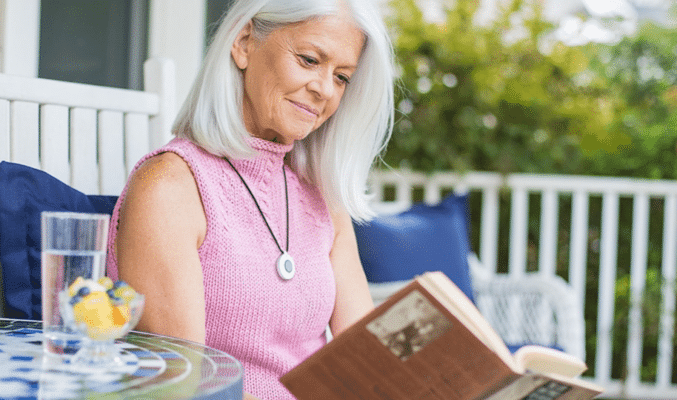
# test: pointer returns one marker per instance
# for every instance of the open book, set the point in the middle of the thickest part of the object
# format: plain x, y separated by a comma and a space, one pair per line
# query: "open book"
429, 341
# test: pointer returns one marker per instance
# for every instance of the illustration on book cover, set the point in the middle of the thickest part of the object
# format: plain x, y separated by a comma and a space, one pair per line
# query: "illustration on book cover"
409, 325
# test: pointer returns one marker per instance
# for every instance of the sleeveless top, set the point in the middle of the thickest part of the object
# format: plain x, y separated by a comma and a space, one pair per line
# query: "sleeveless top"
269, 324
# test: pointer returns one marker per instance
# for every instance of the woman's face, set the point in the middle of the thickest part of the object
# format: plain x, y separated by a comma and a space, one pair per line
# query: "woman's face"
295, 77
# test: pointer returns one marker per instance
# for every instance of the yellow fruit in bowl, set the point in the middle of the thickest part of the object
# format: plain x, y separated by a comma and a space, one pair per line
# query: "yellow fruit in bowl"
96, 312
121, 314
103, 310
125, 293
106, 282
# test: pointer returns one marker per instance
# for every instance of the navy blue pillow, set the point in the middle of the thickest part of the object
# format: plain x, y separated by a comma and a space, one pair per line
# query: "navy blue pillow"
24, 193
423, 238
514, 347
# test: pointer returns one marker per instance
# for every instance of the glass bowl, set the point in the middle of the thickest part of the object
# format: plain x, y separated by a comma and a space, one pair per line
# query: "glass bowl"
100, 321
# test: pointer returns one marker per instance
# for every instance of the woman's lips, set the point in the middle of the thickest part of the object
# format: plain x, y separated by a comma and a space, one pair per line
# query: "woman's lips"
307, 109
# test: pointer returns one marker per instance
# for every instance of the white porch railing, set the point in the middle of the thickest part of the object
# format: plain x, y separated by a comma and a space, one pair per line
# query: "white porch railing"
553, 238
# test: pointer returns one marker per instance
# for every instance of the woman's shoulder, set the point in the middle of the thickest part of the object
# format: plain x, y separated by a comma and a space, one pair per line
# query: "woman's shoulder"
167, 168
163, 187
163, 179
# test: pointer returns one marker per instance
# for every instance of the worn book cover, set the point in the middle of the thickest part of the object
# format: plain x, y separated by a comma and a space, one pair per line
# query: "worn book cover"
428, 341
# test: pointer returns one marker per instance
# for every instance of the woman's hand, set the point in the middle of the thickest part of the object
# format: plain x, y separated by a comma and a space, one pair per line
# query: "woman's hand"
248, 396
162, 225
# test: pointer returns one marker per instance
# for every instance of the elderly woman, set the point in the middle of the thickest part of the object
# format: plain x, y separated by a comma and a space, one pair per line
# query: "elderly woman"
239, 231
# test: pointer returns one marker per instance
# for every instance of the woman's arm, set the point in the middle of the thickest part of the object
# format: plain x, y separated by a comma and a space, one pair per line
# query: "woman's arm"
162, 225
353, 300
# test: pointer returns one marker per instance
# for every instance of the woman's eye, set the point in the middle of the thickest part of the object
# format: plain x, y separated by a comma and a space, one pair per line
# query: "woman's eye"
308, 60
344, 79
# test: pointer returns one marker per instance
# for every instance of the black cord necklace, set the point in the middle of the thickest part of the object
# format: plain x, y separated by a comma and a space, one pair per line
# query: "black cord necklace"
285, 263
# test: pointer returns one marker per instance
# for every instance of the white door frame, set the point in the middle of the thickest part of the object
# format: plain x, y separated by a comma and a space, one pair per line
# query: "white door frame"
19, 37
177, 32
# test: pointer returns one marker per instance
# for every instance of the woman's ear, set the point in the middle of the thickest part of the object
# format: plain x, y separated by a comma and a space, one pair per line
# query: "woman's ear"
242, 46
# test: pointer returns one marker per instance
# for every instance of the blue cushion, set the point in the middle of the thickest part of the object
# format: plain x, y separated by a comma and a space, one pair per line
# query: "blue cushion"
24, 193
423, 238
514, 347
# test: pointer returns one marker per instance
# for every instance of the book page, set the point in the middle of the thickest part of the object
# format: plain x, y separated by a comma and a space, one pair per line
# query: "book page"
546, 387
547, 360
519, 389
458, 304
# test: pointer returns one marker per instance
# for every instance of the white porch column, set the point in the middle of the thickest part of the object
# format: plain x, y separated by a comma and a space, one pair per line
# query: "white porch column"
19, 37
177, 30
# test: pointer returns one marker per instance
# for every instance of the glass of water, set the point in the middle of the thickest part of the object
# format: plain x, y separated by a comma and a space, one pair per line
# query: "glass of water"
73, 245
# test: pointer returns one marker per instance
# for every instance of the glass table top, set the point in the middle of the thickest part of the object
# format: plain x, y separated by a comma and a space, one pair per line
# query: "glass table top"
155, 367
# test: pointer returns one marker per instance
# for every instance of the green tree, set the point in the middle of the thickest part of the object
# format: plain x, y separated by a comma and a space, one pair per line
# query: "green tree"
486, 98
641, 73
506, 97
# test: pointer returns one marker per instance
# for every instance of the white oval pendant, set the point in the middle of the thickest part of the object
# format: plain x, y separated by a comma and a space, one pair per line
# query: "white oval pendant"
285, 266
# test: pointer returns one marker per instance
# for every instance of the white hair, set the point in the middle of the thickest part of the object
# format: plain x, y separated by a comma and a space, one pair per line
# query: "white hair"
338, 156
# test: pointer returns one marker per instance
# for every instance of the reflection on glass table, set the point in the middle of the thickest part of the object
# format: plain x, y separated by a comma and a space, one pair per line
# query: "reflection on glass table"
154, 367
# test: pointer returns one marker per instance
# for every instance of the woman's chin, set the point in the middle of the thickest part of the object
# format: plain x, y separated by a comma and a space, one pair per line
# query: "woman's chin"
291, 137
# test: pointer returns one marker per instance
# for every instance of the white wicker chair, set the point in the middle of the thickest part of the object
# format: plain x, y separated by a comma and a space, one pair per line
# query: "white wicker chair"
532, 308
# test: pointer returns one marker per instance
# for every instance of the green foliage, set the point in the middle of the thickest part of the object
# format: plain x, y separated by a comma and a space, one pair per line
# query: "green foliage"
506, 97
650, 305
640, 71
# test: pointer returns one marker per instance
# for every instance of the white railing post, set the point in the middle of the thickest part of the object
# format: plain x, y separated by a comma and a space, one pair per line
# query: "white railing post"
519, 216
83, 149
489, 229
54, 143
640, 238
159, 78
403, 190
607, 281
667, 324
547, 257
24, 133
112, 172
578, 254
431, 191
137, 139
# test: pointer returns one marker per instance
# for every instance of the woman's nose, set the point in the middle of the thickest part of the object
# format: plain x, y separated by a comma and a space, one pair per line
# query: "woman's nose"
322, 85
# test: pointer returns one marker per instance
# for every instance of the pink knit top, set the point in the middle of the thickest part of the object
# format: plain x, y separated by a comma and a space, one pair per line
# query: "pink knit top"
268, 324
